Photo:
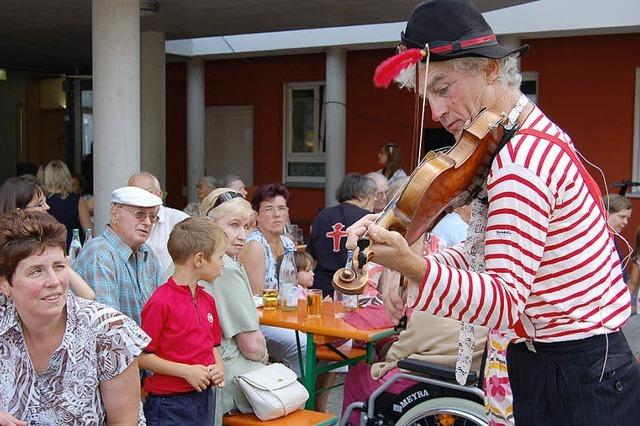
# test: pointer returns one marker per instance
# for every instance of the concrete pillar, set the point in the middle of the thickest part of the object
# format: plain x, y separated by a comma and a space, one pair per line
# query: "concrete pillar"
116, 95
153, 105
336, 116
195, 125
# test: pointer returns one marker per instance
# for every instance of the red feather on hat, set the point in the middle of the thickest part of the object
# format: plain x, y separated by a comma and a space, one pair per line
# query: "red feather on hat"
390, 68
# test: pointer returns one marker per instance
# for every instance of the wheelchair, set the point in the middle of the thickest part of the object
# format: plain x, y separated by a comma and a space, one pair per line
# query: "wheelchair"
436, 400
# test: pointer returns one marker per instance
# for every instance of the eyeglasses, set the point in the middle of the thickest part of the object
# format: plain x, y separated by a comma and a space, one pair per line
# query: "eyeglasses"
380, 195
140, 215
223, 198
273, 210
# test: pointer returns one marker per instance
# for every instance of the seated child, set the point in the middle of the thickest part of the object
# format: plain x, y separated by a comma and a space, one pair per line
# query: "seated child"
304, 265
182, 321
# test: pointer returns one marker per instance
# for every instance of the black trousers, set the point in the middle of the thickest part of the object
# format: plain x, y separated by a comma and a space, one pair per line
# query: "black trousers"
560, 384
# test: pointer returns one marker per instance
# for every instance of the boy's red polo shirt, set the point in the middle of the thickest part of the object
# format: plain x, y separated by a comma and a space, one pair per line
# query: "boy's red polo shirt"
183, 329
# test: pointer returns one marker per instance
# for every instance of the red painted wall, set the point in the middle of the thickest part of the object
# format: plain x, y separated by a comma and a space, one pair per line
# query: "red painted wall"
586, 85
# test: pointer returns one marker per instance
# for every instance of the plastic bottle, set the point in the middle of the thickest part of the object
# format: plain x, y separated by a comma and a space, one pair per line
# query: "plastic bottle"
75, 246
88, 234
287, 291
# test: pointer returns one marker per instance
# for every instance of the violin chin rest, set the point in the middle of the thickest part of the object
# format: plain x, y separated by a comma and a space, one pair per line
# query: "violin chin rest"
346, 281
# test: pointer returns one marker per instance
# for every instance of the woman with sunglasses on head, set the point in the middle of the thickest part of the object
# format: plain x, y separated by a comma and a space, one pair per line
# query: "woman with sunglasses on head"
243, 346
25, 193
390, 158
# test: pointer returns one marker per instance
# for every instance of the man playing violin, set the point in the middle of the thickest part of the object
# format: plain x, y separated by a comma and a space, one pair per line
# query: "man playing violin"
539, 261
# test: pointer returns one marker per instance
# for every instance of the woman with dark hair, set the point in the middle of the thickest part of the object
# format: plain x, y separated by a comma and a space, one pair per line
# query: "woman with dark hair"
65, 360
25, 193
356, 195
22, 193
264, 248
390, 158
68, 207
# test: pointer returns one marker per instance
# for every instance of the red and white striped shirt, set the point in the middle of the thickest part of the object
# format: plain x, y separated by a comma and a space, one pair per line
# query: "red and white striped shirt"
548, 252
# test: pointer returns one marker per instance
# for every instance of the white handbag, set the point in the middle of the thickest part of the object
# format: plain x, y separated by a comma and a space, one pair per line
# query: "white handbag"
273, 391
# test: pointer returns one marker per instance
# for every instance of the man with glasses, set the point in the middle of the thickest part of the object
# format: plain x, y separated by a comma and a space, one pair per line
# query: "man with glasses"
382, 187
118, 264
167, 219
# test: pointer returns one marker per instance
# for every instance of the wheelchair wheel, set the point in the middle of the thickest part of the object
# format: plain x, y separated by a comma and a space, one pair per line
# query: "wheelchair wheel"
445, 412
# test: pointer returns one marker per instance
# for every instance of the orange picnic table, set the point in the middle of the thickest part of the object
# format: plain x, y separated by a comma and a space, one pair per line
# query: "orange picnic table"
325, 330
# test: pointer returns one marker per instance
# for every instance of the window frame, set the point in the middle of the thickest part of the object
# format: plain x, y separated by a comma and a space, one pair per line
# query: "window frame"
532, 76
318, 156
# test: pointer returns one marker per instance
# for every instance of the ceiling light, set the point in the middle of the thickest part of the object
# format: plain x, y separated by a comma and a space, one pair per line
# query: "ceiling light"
149, 7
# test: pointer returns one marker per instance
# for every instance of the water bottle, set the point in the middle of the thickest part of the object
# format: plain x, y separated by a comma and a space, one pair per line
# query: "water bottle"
88, 234
75, 246
287, 279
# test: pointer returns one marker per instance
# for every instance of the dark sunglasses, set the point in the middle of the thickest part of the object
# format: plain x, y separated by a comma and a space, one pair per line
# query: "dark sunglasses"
223, 198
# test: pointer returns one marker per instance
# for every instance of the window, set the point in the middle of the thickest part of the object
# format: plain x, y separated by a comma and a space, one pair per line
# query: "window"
304, 134
529, 85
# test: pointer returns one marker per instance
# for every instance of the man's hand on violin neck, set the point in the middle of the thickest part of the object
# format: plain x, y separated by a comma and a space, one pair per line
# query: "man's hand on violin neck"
389, 249
358, 229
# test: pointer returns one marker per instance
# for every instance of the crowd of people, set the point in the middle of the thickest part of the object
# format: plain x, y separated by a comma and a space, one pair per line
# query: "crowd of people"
156, 316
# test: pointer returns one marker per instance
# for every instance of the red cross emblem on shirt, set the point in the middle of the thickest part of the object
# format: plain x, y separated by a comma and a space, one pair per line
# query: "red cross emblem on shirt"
337, 234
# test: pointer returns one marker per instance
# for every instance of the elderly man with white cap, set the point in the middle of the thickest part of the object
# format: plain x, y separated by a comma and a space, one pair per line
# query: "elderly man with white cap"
118, 264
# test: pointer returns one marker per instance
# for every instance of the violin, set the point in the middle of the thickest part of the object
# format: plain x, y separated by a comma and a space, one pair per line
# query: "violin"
441, 182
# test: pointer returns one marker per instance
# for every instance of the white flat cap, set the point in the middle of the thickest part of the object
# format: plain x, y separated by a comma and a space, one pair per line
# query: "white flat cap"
134, 196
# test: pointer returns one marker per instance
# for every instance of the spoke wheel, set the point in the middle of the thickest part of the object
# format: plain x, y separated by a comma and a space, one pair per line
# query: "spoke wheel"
445, 412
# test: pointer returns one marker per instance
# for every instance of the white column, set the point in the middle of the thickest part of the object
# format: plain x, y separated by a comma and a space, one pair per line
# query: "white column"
336, 113
116, 98
153, 105
195, 125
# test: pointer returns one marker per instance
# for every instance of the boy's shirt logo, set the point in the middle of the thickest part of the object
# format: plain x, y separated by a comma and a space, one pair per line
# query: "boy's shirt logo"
210, 317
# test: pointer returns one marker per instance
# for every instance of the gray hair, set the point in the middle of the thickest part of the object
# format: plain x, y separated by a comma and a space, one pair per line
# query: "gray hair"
615, 203
509, 75
210, 181
226, 180
355, 186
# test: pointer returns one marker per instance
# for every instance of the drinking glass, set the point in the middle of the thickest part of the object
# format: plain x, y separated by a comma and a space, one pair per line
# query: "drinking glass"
343, 303
270, 295
314, 303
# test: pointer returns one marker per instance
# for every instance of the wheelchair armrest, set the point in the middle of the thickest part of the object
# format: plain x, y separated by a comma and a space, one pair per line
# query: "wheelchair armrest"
437, 371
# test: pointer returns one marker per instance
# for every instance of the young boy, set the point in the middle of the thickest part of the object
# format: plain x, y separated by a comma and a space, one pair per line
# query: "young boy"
182, 321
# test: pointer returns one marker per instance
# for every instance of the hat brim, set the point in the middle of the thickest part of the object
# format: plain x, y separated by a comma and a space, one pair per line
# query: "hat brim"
495, 51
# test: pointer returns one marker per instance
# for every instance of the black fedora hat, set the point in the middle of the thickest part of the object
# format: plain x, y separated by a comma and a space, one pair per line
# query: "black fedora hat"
453, 29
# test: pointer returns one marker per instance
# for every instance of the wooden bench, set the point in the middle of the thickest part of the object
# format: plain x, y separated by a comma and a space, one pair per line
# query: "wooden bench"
297, 418
323, 353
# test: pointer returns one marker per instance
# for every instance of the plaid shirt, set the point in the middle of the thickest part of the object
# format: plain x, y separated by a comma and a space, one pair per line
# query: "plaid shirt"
121, 278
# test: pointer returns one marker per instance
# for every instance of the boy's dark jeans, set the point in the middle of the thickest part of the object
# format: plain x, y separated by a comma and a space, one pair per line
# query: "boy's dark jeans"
192, 408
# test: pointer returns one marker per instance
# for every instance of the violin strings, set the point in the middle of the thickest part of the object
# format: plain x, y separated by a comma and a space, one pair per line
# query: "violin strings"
424, 99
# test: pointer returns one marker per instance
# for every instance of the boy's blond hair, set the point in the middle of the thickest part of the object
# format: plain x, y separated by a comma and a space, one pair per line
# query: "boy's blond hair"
304, 261
193, 235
